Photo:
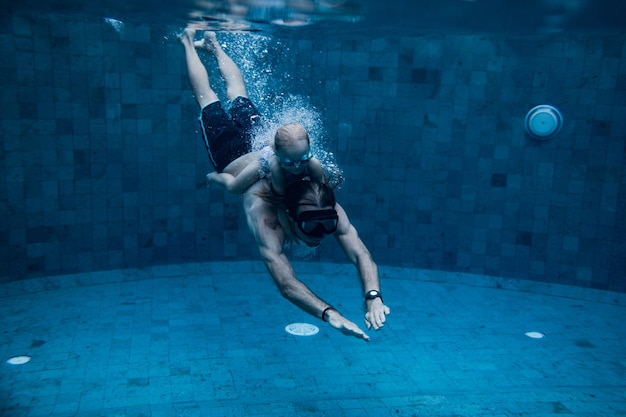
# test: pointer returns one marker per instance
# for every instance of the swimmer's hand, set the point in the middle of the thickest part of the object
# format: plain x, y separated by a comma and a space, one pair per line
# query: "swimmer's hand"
376, 314
223, 180
211, 178
345, 326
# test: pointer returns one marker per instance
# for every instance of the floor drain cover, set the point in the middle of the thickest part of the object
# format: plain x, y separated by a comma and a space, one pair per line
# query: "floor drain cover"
18, 360
301, 329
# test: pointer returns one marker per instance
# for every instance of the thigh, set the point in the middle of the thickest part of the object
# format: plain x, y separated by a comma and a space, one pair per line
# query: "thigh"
244, 113
213, 118
220, 136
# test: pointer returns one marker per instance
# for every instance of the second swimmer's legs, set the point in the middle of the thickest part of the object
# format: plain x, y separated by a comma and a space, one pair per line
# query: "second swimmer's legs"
235, 86
198, 76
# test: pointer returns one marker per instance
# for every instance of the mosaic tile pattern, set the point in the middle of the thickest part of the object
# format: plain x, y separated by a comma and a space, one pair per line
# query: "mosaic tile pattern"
102, 167
209, 339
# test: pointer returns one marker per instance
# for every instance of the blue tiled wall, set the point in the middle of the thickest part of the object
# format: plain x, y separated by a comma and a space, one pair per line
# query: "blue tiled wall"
102, 166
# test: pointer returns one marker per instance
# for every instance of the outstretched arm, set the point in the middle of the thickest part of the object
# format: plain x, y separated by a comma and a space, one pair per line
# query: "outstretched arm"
236, 185
270, 237
222, 179
358, 254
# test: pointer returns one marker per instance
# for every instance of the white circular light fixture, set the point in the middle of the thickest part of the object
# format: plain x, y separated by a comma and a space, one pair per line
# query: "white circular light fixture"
535, 335
543, 122
302, 329
19, 360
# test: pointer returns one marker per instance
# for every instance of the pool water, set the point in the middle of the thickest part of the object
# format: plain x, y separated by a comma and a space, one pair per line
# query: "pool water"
129, 289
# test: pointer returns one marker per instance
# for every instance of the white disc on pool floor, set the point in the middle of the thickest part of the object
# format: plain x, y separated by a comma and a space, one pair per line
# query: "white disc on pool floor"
18, 360
302, 329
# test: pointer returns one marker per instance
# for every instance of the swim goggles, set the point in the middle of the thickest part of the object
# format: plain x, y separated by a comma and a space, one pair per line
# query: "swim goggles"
287, 162
317, 223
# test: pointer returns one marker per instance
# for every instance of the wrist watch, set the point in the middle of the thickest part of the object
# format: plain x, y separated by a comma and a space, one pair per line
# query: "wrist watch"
371, 294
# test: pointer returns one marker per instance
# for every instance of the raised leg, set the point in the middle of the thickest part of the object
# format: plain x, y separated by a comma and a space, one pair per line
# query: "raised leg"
235, 86
198, 76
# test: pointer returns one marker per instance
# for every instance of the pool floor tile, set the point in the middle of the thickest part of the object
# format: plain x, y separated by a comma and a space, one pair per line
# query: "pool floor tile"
165, 346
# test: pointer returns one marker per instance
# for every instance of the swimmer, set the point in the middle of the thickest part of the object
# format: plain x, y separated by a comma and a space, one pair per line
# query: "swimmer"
307, 213
229, 137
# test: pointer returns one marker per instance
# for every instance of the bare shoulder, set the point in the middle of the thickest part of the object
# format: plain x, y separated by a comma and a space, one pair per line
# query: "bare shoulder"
315, 169
262, 216
348, 237
343, 222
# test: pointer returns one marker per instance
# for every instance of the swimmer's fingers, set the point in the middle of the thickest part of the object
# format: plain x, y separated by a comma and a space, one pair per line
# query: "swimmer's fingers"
376, 315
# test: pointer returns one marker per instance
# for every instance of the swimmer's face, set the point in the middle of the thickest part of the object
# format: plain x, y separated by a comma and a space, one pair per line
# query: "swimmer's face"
319, 223
292, 147
310, 241
295, 156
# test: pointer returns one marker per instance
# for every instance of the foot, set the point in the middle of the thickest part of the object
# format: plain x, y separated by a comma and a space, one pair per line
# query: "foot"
208, 43
187, 36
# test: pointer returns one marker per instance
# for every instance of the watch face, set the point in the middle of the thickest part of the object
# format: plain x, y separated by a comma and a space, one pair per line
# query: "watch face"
373, 294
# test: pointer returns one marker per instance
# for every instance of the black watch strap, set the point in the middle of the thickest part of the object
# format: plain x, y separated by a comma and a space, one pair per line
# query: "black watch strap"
371, 294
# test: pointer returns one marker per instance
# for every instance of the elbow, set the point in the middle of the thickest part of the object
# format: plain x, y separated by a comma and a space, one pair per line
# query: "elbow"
282, 275
287, 291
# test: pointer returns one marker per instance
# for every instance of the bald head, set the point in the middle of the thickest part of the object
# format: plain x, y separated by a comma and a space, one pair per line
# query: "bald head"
289, 135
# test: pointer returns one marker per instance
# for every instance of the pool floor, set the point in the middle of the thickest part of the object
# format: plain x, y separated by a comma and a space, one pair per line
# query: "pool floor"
202, 340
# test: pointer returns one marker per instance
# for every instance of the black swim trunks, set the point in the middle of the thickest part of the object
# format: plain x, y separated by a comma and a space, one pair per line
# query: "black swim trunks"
227, 136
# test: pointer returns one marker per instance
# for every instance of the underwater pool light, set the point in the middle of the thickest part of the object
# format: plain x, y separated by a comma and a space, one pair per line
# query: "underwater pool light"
19, 360
535, 335
543, 122
302, 329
